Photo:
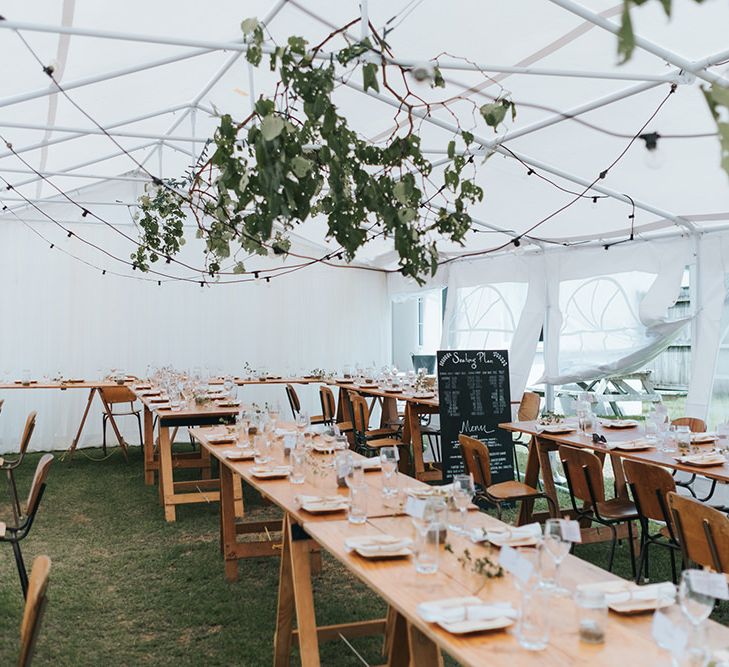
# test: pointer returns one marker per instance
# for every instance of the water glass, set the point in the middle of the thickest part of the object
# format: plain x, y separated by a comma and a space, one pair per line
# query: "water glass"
297, 474
388, 459
532, 630
343, 464
175, 400
427, 550
262, 447
357, 504
556, 548
683, 439
463, 490
592, 615
355, 473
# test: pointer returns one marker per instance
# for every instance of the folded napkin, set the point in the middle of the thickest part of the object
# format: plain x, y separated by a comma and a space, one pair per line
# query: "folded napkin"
371, 464
651, 592
508, 534
320, 500
372, 544
452, 610
701, 459
638, 443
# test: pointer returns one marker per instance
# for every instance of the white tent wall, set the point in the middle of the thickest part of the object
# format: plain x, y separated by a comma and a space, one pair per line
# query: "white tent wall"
60, 315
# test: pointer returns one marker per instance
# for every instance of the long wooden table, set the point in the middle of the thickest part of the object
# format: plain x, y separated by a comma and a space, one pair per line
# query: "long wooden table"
416, 642
94, 387
542, 443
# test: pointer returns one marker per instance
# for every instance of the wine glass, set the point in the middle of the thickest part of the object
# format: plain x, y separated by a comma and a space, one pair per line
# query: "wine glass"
557, 548
463, 490
696, 607
388, 461
302, 422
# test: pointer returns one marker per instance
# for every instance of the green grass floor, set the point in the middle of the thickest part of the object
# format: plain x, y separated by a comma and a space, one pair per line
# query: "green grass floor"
127, 588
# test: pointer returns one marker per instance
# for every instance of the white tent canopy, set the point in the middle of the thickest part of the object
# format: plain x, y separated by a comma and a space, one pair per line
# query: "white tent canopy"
154, 76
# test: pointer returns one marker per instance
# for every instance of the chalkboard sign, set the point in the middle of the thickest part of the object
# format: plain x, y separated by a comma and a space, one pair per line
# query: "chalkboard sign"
473, 387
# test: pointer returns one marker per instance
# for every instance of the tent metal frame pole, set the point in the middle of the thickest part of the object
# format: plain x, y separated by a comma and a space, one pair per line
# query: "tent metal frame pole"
206, 46
698, 68
98, 177
537, 164
96, 130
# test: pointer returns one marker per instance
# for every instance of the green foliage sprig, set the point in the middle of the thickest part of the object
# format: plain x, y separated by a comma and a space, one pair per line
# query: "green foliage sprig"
295, 156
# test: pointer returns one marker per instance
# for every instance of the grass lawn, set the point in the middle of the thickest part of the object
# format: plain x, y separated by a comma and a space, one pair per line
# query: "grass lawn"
127, 588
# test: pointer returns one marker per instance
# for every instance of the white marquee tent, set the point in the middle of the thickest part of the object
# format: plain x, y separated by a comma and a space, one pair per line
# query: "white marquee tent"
154, 76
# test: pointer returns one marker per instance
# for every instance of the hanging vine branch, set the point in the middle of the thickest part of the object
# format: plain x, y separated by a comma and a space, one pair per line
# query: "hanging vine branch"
295, 156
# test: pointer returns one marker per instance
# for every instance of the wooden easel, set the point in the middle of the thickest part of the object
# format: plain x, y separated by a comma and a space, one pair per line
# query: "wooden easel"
107, 408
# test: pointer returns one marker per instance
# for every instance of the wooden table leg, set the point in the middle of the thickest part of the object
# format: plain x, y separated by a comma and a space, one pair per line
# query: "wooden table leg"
166, 481
424, 652
416, 439
227, 523
397, 649
389, 415
148, 447
240, 510
205, 467
74, 442
543, 448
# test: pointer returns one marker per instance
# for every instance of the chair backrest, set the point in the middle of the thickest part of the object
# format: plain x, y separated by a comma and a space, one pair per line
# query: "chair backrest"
35, 603
650, 484
293, 400
360, 414
695, 424
328, 405
119, 394
584, 474
477, 459
27, 433
702, 531
529, 407
39, 479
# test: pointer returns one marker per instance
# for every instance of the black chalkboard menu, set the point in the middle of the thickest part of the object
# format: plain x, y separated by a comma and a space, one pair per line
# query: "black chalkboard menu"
473, 388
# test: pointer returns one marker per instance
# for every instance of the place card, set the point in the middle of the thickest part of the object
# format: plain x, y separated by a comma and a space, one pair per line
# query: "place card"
514, 563
571, 531
415, 507
712, 584
667, 634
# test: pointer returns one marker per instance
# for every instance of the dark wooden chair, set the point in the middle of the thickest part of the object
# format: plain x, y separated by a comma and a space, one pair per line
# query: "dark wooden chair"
329, 410
702, 532
35, 605
528, 411
649, 485
296, 405
368, 441
478, 463
119, 396
14, 534
10, 466
583, 471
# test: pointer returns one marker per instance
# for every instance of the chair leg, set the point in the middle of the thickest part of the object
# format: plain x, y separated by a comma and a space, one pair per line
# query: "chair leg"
103, 433
21, 567
14, 497
674, 577
631, 548
498, 510
139, 426
553, 509
613, 544
642, 558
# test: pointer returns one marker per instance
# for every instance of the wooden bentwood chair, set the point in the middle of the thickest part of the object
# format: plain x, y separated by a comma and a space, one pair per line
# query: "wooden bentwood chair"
35, 605
649, 485
296, 405
478, 463
702, 531
528, 411
116, 396
10, 466
14, 534
583, 471
329, 410
368, 441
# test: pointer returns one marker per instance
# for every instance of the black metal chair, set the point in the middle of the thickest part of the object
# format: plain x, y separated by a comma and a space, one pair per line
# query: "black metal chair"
583, 471
15, 534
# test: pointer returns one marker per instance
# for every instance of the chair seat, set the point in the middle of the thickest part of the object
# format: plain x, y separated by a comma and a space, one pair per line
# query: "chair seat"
617, 509
344, 426
511, 490
385, 442
381, 433
317, 419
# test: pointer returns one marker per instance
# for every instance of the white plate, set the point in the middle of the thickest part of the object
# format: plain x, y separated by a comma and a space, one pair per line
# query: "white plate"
619, 423
465, 627
379, 546
222, 438
702, 460
698, 438
632, 445
557, 428
161, 406
228, 404
325, 507
271, 473
239, 454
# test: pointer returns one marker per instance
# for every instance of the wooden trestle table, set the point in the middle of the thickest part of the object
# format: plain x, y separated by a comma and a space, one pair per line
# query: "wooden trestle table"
542, 443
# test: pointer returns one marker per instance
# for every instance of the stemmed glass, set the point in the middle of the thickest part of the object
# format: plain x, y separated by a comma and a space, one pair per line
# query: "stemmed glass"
696, 607
463, 490
388, 460
302, 422
557, 548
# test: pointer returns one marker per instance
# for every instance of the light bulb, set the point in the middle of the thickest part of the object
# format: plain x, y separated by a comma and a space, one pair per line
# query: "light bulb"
422, 73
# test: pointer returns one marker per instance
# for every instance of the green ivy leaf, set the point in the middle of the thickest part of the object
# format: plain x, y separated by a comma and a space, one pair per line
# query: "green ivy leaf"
271, 127
249, 25
626, 38
369, 76
438, 80
495, 112
301, 166
239, 268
